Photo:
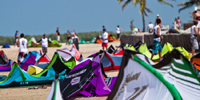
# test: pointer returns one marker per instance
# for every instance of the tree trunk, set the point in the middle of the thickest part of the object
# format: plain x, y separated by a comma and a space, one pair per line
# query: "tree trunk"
143, 20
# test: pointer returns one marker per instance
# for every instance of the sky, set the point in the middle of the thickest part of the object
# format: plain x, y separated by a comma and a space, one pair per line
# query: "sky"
37, 17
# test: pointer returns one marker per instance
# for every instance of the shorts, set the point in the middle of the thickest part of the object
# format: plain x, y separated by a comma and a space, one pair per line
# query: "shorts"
118, 36
16, 40
104, 44
150, 30
58, 38
44, 49
156, 47
21, 56
194, 43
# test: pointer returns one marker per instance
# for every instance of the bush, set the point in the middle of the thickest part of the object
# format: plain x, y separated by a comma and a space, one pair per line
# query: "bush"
63, 37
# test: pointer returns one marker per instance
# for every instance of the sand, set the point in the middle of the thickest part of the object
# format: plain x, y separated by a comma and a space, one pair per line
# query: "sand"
22, 93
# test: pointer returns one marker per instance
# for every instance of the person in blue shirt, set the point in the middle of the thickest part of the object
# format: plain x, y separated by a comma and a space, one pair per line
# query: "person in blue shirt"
16, 37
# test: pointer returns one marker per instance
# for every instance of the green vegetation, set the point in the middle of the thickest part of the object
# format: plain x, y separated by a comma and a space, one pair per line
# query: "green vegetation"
143, 7
63, 38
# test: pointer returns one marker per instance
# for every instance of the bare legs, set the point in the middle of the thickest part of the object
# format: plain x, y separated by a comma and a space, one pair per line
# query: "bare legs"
193, 52
154, 54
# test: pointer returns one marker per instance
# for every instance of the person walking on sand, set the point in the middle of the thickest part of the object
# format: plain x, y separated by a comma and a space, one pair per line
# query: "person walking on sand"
118, 31
16, 37
58, 34
157, 39
44, 41
75, 40
193, 37
22, 44
68, 37
104, 39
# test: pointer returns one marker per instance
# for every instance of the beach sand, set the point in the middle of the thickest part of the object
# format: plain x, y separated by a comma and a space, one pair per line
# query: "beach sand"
22, 93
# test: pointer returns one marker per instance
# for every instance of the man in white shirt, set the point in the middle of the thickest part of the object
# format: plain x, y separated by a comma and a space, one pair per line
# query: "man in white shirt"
104, 39
22, 44
44, 42
118, 31
150, 27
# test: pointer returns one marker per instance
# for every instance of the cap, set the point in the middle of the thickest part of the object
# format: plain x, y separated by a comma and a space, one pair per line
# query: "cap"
157, 14
195, 8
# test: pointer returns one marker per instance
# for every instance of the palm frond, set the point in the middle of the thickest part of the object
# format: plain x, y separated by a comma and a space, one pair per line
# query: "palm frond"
135, 2
165, 2
188, 4
142, 5
119, 1
148, 10
127, 1
145, 13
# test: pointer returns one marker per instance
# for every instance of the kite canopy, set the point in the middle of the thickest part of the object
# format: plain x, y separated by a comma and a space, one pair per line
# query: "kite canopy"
82, 41
6, 67
195, 60
87, 79
139, 81
5, 64
33, 43
166, 49
111, 61
3, 57
55, 93
19, 77
175, 72
33, 58
67, 54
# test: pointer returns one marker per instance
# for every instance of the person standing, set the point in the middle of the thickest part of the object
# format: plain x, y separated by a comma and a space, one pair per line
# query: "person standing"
58, 34
179, 23
16, 37
75, 40
103, 27
68, 37
118, 31
44, 41
175, 23
22, 44
150, 27
196, 16
193, 37
158, 17
132, 26
157, 39
104, 39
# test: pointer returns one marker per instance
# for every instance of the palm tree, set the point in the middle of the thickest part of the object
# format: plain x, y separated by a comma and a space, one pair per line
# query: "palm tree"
189, 4
143, 9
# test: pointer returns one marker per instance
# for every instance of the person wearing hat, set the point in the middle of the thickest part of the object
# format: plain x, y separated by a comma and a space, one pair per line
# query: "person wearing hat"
22, 44
104, 39
158, 17
196, 16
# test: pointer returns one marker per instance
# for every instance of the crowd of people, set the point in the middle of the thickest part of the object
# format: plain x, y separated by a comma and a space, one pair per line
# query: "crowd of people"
22, 43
